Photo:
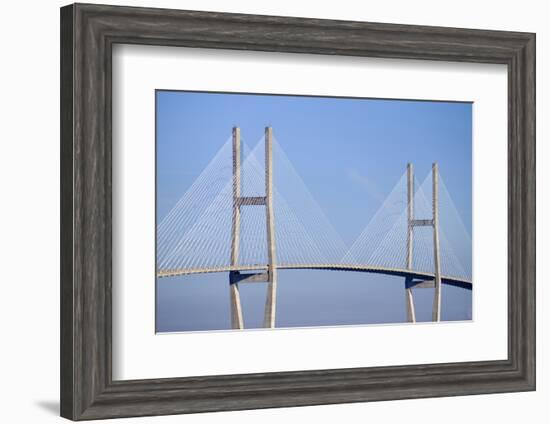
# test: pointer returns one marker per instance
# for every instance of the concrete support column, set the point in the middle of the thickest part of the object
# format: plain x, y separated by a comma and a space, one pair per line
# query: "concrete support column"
436, 310
235, 298
270, 305
409, 300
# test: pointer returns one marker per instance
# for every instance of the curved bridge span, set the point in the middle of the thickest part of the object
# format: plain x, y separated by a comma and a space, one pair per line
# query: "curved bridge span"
417, 278
235, 220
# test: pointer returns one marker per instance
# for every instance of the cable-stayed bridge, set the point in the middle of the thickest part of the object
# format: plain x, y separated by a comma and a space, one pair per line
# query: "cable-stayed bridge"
249, 213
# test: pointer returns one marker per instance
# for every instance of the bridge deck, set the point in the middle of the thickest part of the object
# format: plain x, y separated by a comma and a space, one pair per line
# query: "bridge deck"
449, 280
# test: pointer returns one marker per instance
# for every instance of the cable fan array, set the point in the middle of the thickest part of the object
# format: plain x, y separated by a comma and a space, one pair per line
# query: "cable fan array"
196, 233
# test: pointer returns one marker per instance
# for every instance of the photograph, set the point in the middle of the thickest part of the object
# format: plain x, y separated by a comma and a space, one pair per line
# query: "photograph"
284, 211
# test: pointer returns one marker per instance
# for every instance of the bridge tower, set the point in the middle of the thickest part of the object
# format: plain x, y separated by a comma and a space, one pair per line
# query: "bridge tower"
410, 283
236, 277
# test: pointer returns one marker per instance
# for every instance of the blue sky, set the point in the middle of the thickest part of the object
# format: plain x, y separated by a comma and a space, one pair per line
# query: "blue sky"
350, 153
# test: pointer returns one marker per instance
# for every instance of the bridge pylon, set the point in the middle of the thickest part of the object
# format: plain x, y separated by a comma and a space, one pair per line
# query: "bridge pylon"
239, 201
410, 283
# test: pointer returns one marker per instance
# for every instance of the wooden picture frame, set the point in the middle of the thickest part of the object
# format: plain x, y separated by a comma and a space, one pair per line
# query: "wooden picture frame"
88, 33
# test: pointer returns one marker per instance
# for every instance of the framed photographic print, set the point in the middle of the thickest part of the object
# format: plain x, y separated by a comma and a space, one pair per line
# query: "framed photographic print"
269, 211
252, 214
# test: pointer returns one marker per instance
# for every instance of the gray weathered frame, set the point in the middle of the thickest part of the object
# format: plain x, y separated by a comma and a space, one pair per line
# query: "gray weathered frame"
88, 33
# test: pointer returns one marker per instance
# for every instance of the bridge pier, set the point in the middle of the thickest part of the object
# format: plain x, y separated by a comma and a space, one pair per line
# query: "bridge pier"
234, 295
239, 201
436, 310
434, 223
409, 299
271, 296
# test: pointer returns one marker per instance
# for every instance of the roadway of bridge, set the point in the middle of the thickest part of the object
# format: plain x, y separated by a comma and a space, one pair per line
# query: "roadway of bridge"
406, 273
